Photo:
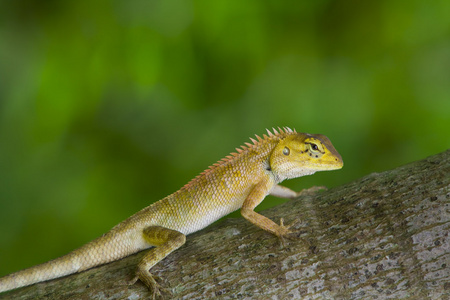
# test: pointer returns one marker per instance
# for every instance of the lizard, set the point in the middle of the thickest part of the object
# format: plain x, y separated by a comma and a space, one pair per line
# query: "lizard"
241, 180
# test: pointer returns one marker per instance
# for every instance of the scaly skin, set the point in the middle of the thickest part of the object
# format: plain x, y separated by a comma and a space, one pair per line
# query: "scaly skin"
239, 181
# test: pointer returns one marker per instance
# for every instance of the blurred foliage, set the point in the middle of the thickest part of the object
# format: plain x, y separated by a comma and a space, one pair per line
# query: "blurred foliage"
107, 106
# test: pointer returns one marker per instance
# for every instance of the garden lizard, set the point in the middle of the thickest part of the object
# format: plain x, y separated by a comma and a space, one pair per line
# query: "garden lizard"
239, 181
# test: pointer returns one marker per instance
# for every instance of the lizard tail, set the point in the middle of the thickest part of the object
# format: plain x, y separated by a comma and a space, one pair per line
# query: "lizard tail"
99, 251
50, 270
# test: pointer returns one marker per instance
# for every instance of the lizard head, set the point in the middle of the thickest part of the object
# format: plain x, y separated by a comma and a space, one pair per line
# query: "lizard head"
302, 154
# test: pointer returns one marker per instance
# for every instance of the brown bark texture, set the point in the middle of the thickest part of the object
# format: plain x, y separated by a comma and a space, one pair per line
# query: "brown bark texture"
384, 236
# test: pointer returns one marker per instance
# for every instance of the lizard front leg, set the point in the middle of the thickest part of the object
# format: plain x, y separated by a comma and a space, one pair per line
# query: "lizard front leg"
166, 241
255, 197
284, 192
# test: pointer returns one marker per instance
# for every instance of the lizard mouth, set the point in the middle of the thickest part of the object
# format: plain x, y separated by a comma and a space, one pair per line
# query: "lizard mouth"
327, 165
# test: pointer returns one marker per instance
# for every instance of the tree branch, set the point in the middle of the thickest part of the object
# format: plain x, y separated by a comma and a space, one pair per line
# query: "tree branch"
385, 235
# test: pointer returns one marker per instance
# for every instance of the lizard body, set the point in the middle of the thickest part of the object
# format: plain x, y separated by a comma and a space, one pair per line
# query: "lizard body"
239, 181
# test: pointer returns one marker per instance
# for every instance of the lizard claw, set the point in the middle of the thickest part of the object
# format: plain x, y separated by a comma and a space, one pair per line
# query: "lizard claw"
150, 281
284, 230
311, 191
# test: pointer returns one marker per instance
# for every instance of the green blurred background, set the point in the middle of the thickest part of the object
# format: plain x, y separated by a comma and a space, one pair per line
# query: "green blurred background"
107, 106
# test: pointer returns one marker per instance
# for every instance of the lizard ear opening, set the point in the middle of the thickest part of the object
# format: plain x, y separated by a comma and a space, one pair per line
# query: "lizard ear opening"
282, 156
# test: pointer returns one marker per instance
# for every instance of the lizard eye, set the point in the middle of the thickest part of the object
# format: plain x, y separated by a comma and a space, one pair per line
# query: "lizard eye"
286, 151
314, 150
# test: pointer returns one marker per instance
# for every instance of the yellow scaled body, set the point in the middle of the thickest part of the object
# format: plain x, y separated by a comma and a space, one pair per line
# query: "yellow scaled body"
239, 181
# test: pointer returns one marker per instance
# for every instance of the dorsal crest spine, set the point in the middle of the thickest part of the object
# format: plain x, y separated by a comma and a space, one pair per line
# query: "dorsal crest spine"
274, 134
282, 132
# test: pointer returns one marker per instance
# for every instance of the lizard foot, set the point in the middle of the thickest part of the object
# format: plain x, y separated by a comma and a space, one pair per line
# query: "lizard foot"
284, 231
311, 191
150, 281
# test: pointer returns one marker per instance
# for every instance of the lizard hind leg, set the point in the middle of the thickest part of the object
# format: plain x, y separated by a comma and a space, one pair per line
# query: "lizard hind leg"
166, 241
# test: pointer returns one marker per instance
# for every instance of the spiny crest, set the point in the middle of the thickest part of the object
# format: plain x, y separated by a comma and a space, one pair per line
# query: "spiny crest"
281, 132
270, 135
247, 145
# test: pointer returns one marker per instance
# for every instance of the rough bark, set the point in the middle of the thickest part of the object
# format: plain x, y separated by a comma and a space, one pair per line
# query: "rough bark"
384, 236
